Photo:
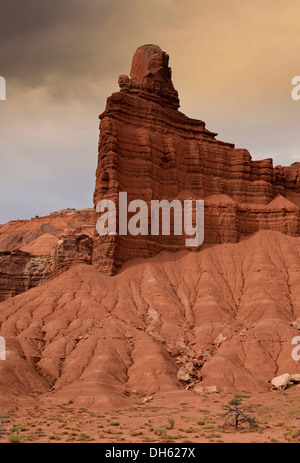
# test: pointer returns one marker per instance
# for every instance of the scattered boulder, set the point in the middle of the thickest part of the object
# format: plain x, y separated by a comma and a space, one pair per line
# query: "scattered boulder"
281, 382
211, 389
190, 367
147, 399
220, 339
183, 374
295, 378
199, 389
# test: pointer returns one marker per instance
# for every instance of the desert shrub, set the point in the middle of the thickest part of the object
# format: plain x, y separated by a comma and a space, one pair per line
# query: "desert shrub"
235, 416
171, 423
15, 438
161, 431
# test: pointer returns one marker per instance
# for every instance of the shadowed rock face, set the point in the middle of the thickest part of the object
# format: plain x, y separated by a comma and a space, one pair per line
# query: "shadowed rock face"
20, 271
151, 150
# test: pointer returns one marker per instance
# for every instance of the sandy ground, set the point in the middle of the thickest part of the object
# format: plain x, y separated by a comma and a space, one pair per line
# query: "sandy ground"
179, 417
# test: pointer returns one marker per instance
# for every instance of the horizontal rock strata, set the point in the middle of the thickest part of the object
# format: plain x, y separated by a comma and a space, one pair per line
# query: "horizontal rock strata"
151, 150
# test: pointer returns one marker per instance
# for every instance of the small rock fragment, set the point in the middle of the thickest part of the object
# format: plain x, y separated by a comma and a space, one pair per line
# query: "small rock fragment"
183, 374
295, 378
211, 389
220, 339
147, 399
199, 389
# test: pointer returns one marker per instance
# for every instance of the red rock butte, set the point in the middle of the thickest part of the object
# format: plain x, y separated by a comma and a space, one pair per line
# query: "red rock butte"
152, 151
221, 318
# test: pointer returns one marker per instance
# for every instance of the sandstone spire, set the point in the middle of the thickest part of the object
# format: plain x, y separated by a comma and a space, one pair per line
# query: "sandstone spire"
150, 74
152, 151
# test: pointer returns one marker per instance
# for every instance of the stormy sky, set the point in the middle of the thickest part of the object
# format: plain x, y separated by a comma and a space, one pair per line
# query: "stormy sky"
232, 61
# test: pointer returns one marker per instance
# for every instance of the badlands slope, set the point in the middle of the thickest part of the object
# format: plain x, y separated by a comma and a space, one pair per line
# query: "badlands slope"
223, 313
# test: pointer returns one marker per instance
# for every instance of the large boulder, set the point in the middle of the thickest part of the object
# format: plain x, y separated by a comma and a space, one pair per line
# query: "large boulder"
281, 382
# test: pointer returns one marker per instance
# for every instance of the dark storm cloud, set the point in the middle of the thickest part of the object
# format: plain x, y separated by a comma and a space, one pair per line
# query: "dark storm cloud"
80, 38
56, 37
24, 18
232, 64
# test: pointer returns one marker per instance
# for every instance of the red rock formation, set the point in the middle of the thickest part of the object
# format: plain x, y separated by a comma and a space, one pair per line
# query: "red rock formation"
72, 250
222, 317
20, 271
151, 150
37, 250
20, 233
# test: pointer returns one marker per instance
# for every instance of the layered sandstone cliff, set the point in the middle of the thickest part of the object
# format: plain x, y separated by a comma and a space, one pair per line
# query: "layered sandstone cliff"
37, 250
151, 150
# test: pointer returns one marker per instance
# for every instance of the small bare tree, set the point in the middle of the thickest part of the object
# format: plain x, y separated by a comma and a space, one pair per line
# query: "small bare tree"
235, 415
